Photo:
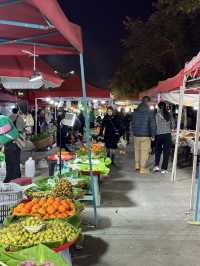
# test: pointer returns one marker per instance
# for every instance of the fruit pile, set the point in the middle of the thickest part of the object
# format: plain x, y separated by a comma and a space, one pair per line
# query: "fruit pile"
32, 221
15, 235
62, 189
46, 208
97, 147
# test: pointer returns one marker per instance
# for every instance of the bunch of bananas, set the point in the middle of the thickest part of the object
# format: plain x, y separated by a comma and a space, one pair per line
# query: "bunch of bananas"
38, 194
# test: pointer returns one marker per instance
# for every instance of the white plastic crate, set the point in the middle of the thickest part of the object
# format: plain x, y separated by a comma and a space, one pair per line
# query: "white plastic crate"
10, 195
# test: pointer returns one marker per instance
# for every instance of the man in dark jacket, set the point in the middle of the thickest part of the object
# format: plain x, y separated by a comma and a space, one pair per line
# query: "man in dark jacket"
144, 130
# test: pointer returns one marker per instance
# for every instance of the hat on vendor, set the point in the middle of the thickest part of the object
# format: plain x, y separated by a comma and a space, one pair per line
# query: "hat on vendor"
8, 131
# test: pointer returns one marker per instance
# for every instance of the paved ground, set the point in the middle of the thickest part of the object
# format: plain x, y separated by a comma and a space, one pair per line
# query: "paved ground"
142, 222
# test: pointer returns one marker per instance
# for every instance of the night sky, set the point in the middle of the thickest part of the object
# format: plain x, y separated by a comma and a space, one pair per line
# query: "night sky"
102, 26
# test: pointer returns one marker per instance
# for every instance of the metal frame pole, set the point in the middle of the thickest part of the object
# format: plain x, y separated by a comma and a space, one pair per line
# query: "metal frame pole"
158, 98
36, 115
196, 213
87, 134
182, 91
55, 113
194, 168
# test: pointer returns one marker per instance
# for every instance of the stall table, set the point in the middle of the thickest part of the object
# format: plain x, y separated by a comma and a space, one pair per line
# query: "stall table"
97, 188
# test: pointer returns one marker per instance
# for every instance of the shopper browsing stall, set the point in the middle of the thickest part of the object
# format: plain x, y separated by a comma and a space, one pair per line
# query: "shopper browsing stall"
144, 130
111, 129
164, 124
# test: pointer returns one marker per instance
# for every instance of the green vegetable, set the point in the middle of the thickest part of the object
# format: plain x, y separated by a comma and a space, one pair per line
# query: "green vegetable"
44, 135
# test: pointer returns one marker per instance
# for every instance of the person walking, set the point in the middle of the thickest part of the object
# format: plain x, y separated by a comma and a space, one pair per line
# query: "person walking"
82, 122
110, 128
144, 130
18, 120
127, 126
125, 120
164, 124
92, 117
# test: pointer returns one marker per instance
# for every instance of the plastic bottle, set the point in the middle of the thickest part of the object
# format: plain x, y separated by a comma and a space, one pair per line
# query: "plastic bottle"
30, 168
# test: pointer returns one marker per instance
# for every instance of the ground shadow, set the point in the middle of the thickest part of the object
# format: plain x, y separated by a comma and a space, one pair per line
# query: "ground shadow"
115, 188
88, 223
91, 254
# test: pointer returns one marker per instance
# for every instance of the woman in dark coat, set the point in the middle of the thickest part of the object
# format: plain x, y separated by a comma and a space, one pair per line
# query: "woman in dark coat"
110, 127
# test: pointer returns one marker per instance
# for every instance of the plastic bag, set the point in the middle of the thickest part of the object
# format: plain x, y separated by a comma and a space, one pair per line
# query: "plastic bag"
39, 254
122, 143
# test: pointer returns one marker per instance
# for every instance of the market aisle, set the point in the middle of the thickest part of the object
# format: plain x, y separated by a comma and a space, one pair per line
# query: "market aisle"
142, 222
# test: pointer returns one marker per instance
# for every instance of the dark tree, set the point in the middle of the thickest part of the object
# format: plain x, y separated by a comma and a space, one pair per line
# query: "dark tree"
157, 48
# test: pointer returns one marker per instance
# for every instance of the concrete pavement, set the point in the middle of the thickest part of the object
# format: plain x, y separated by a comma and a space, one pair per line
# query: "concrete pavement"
142, 221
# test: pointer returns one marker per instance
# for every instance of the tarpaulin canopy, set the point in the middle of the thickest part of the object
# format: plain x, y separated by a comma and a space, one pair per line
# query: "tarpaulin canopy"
18, 70
193, 65
174, 97
71, 87
24, 23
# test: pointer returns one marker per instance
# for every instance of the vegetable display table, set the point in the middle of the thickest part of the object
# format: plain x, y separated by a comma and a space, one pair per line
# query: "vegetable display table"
96, 188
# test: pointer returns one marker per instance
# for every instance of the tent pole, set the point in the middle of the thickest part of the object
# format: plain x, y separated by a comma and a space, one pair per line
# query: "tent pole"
55, 113
182, 90
88, 135
36, 115
158, 98
185, 117
196, 145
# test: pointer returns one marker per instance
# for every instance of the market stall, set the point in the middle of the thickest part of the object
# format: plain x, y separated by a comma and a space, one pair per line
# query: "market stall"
69, 91
183, 89
40, 27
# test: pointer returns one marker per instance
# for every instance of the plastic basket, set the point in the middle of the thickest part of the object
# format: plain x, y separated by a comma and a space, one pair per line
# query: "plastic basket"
10, 195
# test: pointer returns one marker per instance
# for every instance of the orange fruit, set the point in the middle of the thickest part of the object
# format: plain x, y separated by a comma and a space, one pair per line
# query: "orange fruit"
35, 208
41, 211
50, 201
35, 201
72, 212
61, 208
51, 210
61, 215
42, 201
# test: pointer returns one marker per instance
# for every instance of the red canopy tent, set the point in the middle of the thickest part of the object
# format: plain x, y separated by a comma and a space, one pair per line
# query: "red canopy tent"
22, 66
40, 23
71, 88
